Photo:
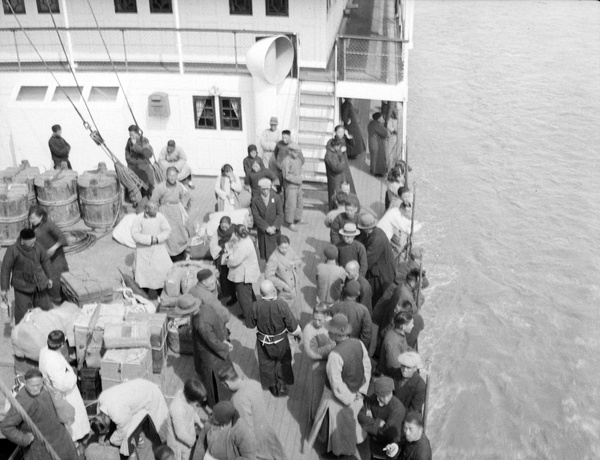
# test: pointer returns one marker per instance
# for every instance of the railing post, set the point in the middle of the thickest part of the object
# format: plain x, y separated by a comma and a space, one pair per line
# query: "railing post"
335, 64
124, 49
344, 52
17, 49
235, 50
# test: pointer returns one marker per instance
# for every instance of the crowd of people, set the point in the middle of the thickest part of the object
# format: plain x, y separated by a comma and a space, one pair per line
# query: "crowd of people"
368, 378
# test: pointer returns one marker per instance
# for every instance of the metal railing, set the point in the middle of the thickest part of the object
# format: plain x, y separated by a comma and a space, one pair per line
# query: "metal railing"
155, 49
369, 59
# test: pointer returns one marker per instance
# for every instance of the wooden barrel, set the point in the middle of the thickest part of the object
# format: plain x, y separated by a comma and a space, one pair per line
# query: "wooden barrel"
99, 197
27, 176
14, 209
57, 192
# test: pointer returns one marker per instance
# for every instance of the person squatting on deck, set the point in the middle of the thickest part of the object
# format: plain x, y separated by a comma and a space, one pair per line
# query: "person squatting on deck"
173, 156
138, 152
348, 375
274, 320
26, 266
174, 202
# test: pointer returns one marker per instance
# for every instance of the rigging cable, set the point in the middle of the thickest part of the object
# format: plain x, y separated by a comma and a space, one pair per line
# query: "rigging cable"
62, 45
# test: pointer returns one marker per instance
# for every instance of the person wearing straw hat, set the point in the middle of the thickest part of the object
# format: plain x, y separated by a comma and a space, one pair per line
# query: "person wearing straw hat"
27, 267
380, 258
174, 202
381, 416
267, 210
138, 152
348, 374
274, 320
268, 141
173, 156
61, 376
410, 387
351, 249
211, 348
226, 436
37, 402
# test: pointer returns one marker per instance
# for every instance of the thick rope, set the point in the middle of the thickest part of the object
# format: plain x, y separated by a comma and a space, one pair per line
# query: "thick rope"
34, 429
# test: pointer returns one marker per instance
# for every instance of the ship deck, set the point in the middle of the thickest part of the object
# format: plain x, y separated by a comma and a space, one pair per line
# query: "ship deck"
289, 415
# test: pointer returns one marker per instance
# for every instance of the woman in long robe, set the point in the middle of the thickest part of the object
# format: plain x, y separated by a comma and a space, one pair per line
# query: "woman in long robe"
174, 201
336, 162
52, 239
351, 124
59, 373
227, 188
282, 270
378, 135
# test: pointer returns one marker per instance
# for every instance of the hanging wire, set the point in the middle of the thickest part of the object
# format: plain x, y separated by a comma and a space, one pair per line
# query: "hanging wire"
62, 45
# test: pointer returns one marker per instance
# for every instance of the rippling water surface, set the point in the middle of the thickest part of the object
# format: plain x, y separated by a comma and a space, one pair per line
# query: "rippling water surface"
504, 131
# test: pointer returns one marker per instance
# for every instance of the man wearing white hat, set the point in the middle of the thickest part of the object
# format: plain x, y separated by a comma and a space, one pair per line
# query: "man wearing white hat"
410, 389
348, 375
267, 210
268, 141
349, 249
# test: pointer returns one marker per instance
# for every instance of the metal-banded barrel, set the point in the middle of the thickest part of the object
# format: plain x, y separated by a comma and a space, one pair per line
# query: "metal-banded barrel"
56, 191
27, 176
14, 210
99, 197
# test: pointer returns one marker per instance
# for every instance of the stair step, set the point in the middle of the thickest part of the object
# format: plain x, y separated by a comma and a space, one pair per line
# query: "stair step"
316, 105
317, 112
315, 119
310, 146
316, 139
318, 87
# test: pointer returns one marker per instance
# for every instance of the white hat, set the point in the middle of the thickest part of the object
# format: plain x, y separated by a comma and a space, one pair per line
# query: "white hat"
264, 182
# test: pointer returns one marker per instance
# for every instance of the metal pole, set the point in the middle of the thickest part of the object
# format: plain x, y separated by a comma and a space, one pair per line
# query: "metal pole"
124, 49
17, 49
235, 50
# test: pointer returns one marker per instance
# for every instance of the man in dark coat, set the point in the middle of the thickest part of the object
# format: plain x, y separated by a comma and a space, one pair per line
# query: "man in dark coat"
59, 148
273, 320
351, 124
267, 210
138, 153
352, 269
351, 209
410, 388
380, 257
381, 416
357, 314
415, 445
27, 267
350, 249
38, 404
336, 162
211, 350
378, 135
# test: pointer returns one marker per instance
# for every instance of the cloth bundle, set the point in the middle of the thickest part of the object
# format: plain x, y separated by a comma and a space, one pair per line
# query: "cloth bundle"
179, 336
82, 286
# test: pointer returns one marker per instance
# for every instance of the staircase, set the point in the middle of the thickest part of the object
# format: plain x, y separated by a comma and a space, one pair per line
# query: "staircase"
317, 112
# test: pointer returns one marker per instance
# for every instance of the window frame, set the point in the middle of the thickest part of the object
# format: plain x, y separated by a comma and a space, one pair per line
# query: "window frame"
224, 124
231, 12
19, 8
278, 15
124, 11
41, 5
152, 11
196, 116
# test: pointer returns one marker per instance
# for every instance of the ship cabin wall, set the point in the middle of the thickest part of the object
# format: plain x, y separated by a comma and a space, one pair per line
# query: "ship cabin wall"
25, 126
315, 22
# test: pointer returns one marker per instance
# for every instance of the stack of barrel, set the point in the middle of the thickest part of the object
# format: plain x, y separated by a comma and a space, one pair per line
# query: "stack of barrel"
66, 196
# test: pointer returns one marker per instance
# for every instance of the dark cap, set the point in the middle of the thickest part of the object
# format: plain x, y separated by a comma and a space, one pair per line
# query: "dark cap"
27, 234
223, 412
204, 274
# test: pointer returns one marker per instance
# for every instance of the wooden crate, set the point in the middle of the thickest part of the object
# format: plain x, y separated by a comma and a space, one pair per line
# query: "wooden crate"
119, 366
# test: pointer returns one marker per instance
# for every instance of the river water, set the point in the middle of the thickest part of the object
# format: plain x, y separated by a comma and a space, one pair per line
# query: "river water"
504, 134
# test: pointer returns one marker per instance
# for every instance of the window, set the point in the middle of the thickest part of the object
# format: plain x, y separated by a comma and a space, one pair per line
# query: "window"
277, 7
204, 112
72, 91
32, 93
161, 6
231, 113
103, 94
18, 6
42, 6
125, 6
240, 7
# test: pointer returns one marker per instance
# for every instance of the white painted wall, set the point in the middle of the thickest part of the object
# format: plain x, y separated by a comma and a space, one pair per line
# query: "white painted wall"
25, 126
309, 19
